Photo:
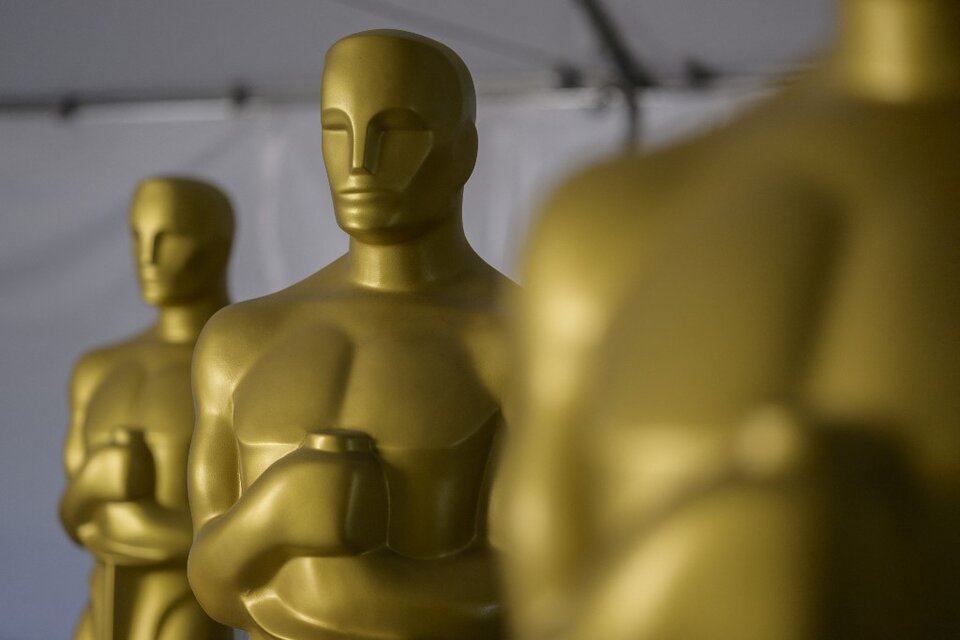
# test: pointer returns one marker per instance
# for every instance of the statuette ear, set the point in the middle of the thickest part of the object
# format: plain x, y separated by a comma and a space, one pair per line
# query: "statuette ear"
466, 147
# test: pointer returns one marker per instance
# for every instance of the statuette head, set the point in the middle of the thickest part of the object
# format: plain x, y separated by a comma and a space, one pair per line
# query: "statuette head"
399, 139
182, 232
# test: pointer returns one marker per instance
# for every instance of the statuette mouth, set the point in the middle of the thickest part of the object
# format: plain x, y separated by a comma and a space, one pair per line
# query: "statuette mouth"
366, 194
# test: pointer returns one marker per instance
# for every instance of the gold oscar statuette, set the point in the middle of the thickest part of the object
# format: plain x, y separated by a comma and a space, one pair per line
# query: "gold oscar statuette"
739, 412
347, 426
131, 420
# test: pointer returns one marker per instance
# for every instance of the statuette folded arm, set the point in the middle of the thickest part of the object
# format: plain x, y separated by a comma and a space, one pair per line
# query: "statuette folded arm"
138, 533
119, 471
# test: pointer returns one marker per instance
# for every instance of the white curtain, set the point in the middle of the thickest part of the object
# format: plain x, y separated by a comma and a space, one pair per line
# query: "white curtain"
67, 278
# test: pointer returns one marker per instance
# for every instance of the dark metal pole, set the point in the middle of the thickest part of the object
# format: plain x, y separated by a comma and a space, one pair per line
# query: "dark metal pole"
631, 73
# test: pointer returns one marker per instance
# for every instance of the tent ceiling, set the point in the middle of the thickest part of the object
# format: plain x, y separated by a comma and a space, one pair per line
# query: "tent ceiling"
50, 47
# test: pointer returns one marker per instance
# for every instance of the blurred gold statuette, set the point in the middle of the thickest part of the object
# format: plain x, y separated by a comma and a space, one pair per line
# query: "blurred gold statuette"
741, 366
348, 425
131, 419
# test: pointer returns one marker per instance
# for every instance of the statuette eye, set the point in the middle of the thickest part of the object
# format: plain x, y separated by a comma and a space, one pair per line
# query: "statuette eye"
400, 120
334, 120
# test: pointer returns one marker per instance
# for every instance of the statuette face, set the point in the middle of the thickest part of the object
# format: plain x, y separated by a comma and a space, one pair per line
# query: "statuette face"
348, 427
398, 134
179, 255
132, 419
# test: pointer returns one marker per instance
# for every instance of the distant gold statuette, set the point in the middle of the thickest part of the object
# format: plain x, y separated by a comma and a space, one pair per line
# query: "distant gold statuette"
131, 419
348, 426
741, 366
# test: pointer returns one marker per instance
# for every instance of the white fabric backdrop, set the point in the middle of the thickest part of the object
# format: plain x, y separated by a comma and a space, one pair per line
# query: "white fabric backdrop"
67, 280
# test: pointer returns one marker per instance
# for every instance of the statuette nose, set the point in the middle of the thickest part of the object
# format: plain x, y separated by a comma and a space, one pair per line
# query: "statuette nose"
338, 441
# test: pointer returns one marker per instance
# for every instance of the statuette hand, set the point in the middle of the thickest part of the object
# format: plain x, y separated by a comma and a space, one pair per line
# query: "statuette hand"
329, 494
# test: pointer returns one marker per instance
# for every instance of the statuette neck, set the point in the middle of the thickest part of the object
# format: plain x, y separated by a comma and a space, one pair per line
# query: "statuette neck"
901, 50
182, 323
436, 255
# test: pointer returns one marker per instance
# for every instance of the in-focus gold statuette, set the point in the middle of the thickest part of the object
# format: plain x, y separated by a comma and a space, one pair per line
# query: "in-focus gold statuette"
742, 366
131, 419
348, 425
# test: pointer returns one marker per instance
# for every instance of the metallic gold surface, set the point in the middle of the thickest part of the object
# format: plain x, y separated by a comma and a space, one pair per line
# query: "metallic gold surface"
741, 367
347, 425
131, 419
